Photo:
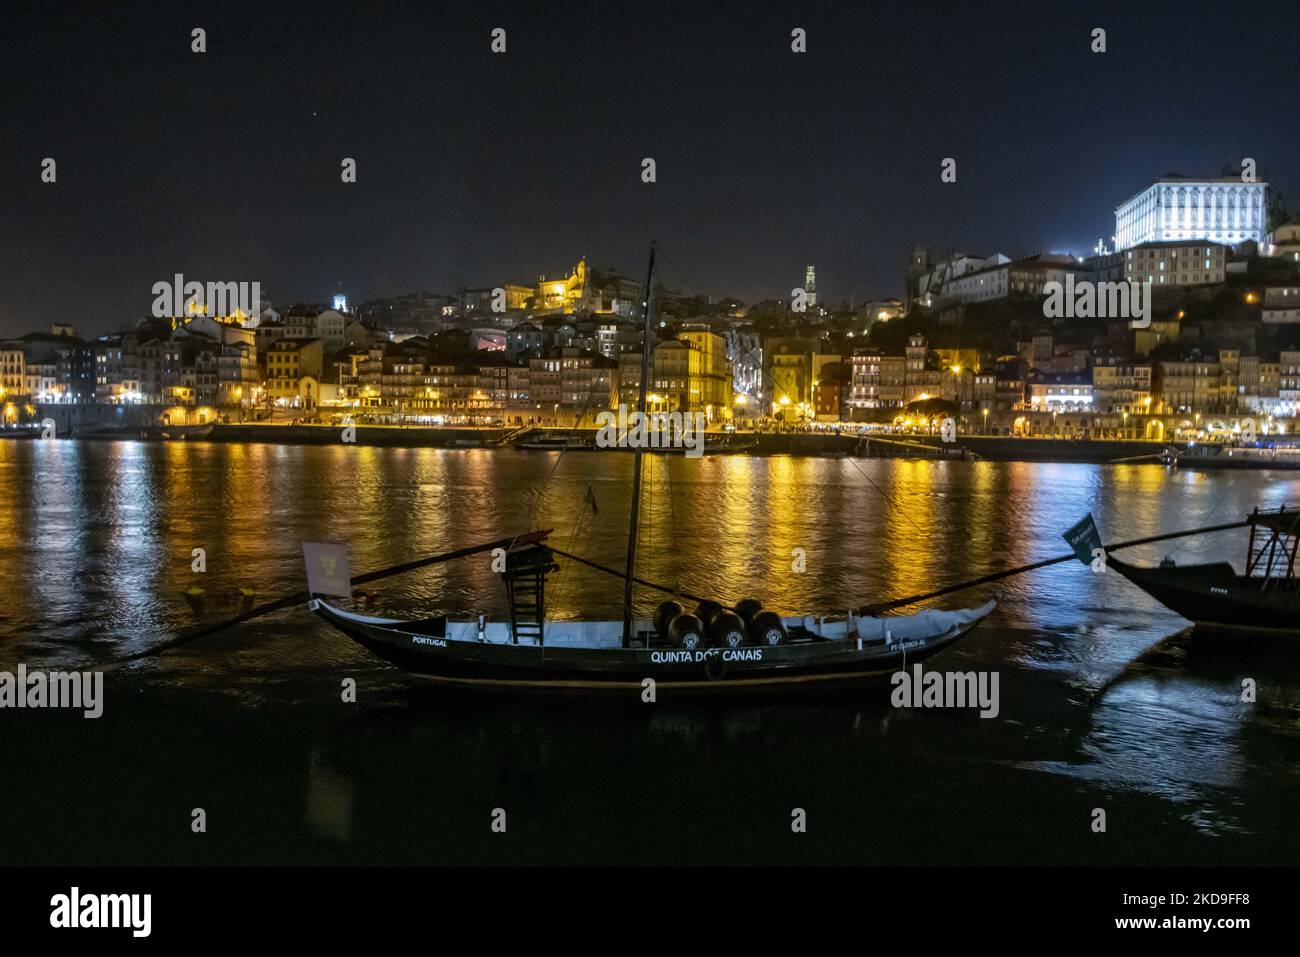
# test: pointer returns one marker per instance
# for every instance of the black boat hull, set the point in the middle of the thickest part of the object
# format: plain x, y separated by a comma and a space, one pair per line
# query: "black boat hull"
795, 666
1215, 598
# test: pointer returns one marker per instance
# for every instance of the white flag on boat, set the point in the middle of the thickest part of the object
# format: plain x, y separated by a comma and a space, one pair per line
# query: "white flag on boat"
327, 569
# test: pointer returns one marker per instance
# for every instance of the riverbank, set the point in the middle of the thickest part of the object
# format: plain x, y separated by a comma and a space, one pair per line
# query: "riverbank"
816, 444
824, 443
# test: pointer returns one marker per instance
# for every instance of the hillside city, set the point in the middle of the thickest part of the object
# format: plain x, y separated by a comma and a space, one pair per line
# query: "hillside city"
970, 335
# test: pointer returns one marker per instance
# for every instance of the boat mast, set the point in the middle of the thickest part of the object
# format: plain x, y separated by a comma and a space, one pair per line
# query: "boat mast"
636, 459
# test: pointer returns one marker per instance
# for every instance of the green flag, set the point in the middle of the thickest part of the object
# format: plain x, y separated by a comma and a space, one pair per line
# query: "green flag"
1083, 538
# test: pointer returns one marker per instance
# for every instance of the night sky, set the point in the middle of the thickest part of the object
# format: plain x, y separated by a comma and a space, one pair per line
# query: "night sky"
476, 169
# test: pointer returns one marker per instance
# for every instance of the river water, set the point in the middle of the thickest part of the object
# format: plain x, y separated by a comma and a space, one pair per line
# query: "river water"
1106, 702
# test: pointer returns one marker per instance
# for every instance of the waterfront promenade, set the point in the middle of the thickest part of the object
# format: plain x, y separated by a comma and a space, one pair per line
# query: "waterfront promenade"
816, 443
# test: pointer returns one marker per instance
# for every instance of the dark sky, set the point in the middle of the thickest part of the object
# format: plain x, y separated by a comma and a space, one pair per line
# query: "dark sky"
476, 168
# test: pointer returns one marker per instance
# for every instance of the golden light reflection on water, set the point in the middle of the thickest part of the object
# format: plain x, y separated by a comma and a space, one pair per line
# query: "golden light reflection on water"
122, 519
99, 536
131, 517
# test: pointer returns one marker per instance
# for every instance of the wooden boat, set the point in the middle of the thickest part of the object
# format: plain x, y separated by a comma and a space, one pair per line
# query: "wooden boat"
591, 656
180, 433
1264, 601
712, 649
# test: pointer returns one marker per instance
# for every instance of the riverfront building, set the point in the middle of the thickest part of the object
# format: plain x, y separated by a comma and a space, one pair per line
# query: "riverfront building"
689, 373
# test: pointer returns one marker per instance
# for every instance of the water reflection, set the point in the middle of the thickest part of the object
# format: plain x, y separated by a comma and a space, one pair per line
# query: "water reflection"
1105, 698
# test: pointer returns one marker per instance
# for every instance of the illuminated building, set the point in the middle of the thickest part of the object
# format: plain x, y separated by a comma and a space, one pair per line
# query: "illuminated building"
1220, 210
117, 368
1060, 393
830, 389
787, 373
689, 373
605, 336
1260, 384
708, 371
480, 300
565, 295
1120, 385
289, 360
1175, 263
407, 381
1160, 330
572, 385
1289, 379
1281, 304
312, 322
1283, 242
960, 278
745, 354
524, 338
1204, 384
153, 381
232, 352
928, 275
881, 310
878, 381
13, 368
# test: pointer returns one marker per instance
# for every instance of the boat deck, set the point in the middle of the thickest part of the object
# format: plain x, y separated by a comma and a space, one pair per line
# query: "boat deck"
609, 634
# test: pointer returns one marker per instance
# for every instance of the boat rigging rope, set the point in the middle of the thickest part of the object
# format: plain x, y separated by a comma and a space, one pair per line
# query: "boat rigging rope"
588, 494
298, 598
561, 578
650, 513
888, 499
876, 609
1222, 498
690, 283
672, 516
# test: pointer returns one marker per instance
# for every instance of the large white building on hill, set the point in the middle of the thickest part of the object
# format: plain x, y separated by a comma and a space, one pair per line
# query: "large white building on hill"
1221, 210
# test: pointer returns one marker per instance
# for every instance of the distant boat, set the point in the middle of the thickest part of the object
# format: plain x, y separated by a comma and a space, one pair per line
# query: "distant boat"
32, 431
577, 441
547, 442
1203, 456
1264, 601
711, 649
725, 445
177, 433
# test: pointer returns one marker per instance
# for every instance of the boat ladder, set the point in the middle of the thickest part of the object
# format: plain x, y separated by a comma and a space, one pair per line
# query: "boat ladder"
525, 579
